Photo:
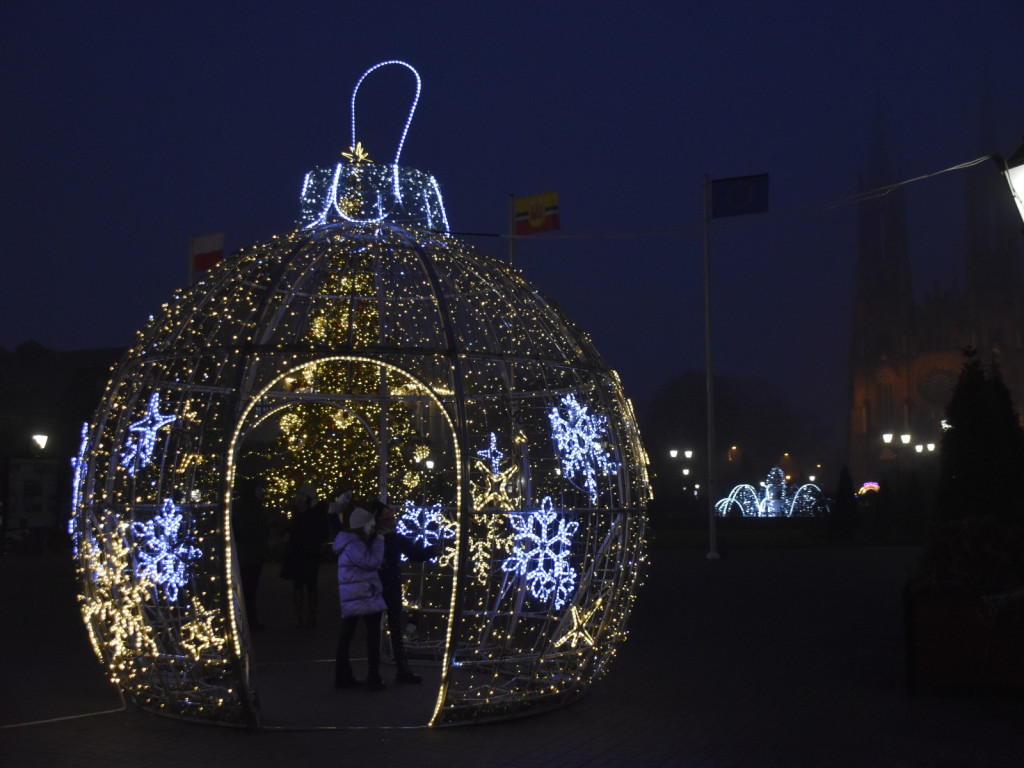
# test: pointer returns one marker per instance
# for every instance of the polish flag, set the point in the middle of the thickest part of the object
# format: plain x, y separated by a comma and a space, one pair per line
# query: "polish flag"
203, 253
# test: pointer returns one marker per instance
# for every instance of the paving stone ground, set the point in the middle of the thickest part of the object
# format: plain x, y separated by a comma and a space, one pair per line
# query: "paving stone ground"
765, 658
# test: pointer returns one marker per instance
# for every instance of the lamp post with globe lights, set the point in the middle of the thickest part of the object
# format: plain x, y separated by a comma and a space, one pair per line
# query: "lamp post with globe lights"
685, 458
896, 446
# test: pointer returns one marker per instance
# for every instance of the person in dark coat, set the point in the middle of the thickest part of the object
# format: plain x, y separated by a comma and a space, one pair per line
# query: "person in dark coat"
252, 544
395, 546
360, 552
306, 532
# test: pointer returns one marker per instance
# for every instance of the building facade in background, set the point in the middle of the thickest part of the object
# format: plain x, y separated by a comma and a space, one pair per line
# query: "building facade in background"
906, 353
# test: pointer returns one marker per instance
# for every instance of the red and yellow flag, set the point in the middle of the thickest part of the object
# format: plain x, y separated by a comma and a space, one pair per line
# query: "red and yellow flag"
538, 213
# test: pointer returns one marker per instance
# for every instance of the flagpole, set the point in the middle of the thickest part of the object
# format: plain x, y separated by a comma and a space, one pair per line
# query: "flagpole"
511, 230
712, 532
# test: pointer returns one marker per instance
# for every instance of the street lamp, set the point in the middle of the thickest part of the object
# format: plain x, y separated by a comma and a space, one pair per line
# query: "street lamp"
686, 457
1013, 170
888, 437
890, 440
37, 445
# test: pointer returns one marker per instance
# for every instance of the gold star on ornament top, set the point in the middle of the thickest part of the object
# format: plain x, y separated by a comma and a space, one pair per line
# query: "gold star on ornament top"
356, 155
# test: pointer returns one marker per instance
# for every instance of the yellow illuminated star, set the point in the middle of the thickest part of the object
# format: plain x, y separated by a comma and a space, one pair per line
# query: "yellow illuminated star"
494, 491
356, 154
579, 632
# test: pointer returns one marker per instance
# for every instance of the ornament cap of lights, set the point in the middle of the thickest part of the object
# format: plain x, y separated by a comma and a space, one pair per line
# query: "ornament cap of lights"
370, 326
360, 192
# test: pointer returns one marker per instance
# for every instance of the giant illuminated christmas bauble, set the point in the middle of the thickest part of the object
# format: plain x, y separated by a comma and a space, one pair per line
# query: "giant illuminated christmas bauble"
369, 349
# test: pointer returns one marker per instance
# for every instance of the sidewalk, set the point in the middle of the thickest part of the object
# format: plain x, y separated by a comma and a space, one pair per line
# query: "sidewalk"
768, 657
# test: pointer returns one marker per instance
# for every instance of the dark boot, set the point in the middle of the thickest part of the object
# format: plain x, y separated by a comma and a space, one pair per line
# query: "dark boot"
343, 677
374, 682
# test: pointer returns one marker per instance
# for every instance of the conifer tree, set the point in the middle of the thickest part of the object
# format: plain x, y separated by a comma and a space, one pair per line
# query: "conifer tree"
982, 461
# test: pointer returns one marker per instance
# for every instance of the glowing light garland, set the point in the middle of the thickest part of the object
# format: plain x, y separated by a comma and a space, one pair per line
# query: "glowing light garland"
579, 632
580, 437
492, 454
78, 467
364, 193
497, 482
776, 499
412, 109
162, 554
138, 450
428, 527
496, 539
116, 607
372, 339
203, 635
541, 553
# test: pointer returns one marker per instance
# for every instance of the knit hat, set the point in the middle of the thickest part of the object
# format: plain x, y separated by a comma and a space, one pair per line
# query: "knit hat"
359, 518
308, 490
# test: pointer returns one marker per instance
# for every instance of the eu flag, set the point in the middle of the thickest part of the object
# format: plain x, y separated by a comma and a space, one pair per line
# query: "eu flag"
739, 196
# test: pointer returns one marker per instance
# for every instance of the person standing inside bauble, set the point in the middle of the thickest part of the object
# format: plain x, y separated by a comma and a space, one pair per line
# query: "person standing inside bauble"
360, 552
306, 532
252, 543
397, 546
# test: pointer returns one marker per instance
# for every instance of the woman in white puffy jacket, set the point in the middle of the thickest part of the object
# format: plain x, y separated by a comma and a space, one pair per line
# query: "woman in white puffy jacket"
360, 552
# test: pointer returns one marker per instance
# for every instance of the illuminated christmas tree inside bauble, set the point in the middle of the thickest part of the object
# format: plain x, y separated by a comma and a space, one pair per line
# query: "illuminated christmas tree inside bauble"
367, 349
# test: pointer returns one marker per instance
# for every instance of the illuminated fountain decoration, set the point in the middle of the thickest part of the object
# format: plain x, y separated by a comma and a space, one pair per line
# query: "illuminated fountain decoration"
358, 346
774, 499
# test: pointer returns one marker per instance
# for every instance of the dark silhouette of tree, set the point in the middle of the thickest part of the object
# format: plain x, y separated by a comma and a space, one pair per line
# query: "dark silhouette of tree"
982, 461
976, 544
845, 518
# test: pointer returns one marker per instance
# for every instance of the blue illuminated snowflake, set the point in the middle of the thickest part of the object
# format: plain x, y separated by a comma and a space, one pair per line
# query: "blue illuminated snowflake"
541, 553
161, 550
426, 526
78, 465
138, 450
579, 438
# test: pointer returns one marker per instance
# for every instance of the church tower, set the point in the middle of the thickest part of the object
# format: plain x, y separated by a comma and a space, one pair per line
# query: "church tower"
883, 316
905, 356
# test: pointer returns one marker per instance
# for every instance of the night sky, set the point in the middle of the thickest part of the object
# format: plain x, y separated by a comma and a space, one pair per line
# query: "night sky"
127, 127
